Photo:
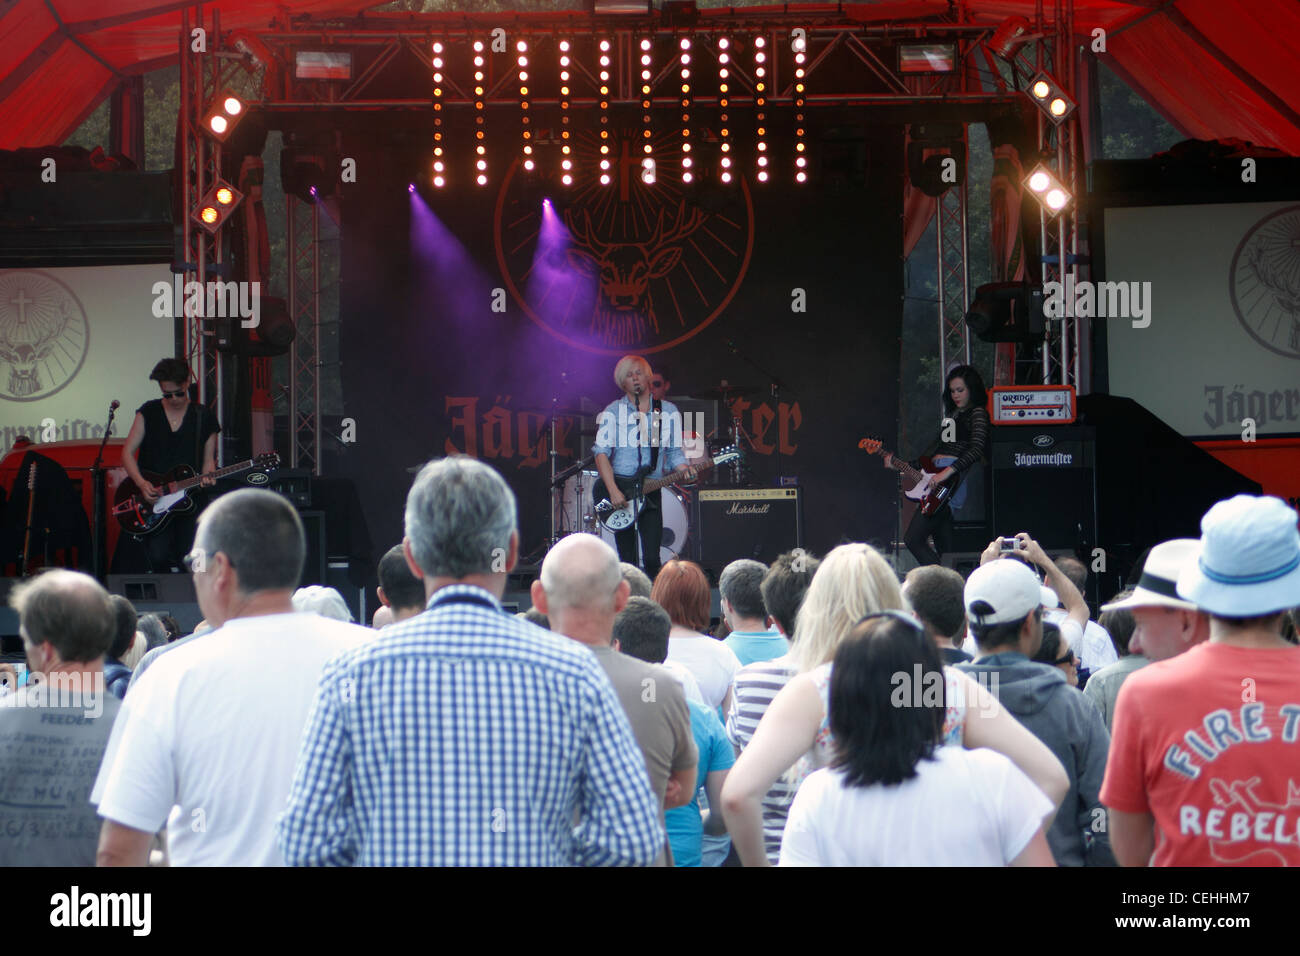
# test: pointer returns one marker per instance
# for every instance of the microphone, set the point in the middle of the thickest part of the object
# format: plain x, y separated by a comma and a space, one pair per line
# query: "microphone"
114, 407
636, 390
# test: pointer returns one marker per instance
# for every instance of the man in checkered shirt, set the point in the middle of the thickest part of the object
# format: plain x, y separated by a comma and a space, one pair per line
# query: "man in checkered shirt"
465, 736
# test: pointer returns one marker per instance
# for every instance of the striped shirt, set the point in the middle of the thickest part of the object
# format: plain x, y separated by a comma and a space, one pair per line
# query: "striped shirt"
465, 736
754, 688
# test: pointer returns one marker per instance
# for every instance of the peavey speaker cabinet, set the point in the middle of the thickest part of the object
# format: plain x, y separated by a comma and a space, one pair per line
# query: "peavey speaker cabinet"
758, 523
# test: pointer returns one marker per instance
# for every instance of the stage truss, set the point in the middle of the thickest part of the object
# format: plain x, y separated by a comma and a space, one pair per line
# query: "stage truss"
832, 38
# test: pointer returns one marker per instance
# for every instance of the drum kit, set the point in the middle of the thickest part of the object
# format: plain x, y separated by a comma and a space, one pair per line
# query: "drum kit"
576, 490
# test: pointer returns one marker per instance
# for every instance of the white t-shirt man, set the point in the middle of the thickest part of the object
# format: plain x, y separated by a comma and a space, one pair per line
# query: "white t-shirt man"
1093, 646
713, 663
964, 808
208, 739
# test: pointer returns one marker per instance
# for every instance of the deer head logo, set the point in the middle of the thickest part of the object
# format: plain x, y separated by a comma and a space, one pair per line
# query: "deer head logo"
625, 313
1264, 282
42, 333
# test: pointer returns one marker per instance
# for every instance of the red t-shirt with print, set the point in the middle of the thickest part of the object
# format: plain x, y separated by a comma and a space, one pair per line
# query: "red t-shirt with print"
1206, 742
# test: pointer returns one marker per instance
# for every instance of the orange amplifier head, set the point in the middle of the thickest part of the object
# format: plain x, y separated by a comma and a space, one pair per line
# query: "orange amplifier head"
1032, 405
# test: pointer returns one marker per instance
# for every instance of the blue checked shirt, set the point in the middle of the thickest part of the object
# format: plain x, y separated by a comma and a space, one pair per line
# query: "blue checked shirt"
465, 736
621, 437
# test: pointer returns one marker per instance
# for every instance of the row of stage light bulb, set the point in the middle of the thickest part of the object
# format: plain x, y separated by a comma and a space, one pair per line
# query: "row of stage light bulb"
648, 166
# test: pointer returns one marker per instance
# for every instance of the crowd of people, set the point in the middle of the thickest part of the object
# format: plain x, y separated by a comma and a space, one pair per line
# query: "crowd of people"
836, 715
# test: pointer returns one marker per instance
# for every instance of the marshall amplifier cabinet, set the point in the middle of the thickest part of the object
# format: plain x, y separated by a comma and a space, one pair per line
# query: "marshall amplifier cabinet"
1044, 482
758, 523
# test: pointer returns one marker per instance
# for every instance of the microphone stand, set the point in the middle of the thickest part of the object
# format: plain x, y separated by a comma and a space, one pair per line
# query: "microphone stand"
99, 521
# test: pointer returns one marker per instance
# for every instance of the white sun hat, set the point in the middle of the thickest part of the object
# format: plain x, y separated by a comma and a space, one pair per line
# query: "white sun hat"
1158, 586
1249, 560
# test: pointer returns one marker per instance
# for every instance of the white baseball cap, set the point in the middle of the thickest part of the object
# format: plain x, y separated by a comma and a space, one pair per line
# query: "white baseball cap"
1249, 559
1008, 587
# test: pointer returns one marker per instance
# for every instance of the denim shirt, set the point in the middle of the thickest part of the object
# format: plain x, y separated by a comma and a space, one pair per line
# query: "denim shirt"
621, 437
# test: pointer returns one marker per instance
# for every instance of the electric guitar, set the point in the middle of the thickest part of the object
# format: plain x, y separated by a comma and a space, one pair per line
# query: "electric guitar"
930, 495
138, 515
616, 519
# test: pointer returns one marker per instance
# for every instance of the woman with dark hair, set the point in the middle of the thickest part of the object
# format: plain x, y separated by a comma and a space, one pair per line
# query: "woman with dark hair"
965, 399
1056, 653
893, 795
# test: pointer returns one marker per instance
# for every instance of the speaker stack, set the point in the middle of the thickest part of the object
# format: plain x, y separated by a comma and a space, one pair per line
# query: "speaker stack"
758, 523
1044, 482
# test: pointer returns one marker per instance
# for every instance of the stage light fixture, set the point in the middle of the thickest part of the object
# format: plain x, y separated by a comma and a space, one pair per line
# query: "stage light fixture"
1007, 312
322, 65
914, 58
479, 103
521, 61
564, 110
439, 157
1048, 190
309, 168
800, 46
645, 100
639, 8
604, 113
648, 171
216, 206
1011, 34
687, 99
760, 108
1051, 98
223, 115
724, 100
944, 142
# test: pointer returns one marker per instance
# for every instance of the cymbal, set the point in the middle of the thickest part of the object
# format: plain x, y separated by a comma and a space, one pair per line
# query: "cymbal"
724, 392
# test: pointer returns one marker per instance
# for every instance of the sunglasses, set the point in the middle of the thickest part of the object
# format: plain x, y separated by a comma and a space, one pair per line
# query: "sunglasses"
179, 393
198, 558
1067, 659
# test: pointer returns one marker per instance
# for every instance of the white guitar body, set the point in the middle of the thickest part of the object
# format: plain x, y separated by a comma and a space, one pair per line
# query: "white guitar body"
166, 501
623, 517
922, 488
616, 519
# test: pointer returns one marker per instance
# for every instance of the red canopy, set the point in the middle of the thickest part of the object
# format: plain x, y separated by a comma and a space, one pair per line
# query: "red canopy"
1215, 68
60, 58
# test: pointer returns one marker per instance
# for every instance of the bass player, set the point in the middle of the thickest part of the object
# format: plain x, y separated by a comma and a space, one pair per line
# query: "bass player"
964, 398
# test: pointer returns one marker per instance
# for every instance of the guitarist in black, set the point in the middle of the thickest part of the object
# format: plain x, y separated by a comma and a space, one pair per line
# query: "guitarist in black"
631, 447
965, 399
167, 432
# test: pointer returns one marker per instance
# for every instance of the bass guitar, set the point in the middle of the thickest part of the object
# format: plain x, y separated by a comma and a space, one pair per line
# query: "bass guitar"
616, 519
138, 515
929, 495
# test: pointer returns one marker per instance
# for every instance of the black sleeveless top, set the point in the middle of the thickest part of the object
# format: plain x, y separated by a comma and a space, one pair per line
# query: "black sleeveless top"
162, 449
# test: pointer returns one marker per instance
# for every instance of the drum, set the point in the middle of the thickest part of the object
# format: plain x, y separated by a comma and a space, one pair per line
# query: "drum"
577, 507
578, 513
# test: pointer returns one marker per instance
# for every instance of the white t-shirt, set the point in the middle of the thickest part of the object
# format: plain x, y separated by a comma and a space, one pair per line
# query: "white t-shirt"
690, 686
1093, 646
208, 738
713, 663
964, 808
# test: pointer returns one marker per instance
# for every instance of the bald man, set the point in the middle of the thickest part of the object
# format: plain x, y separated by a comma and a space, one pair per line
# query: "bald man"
581, 590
